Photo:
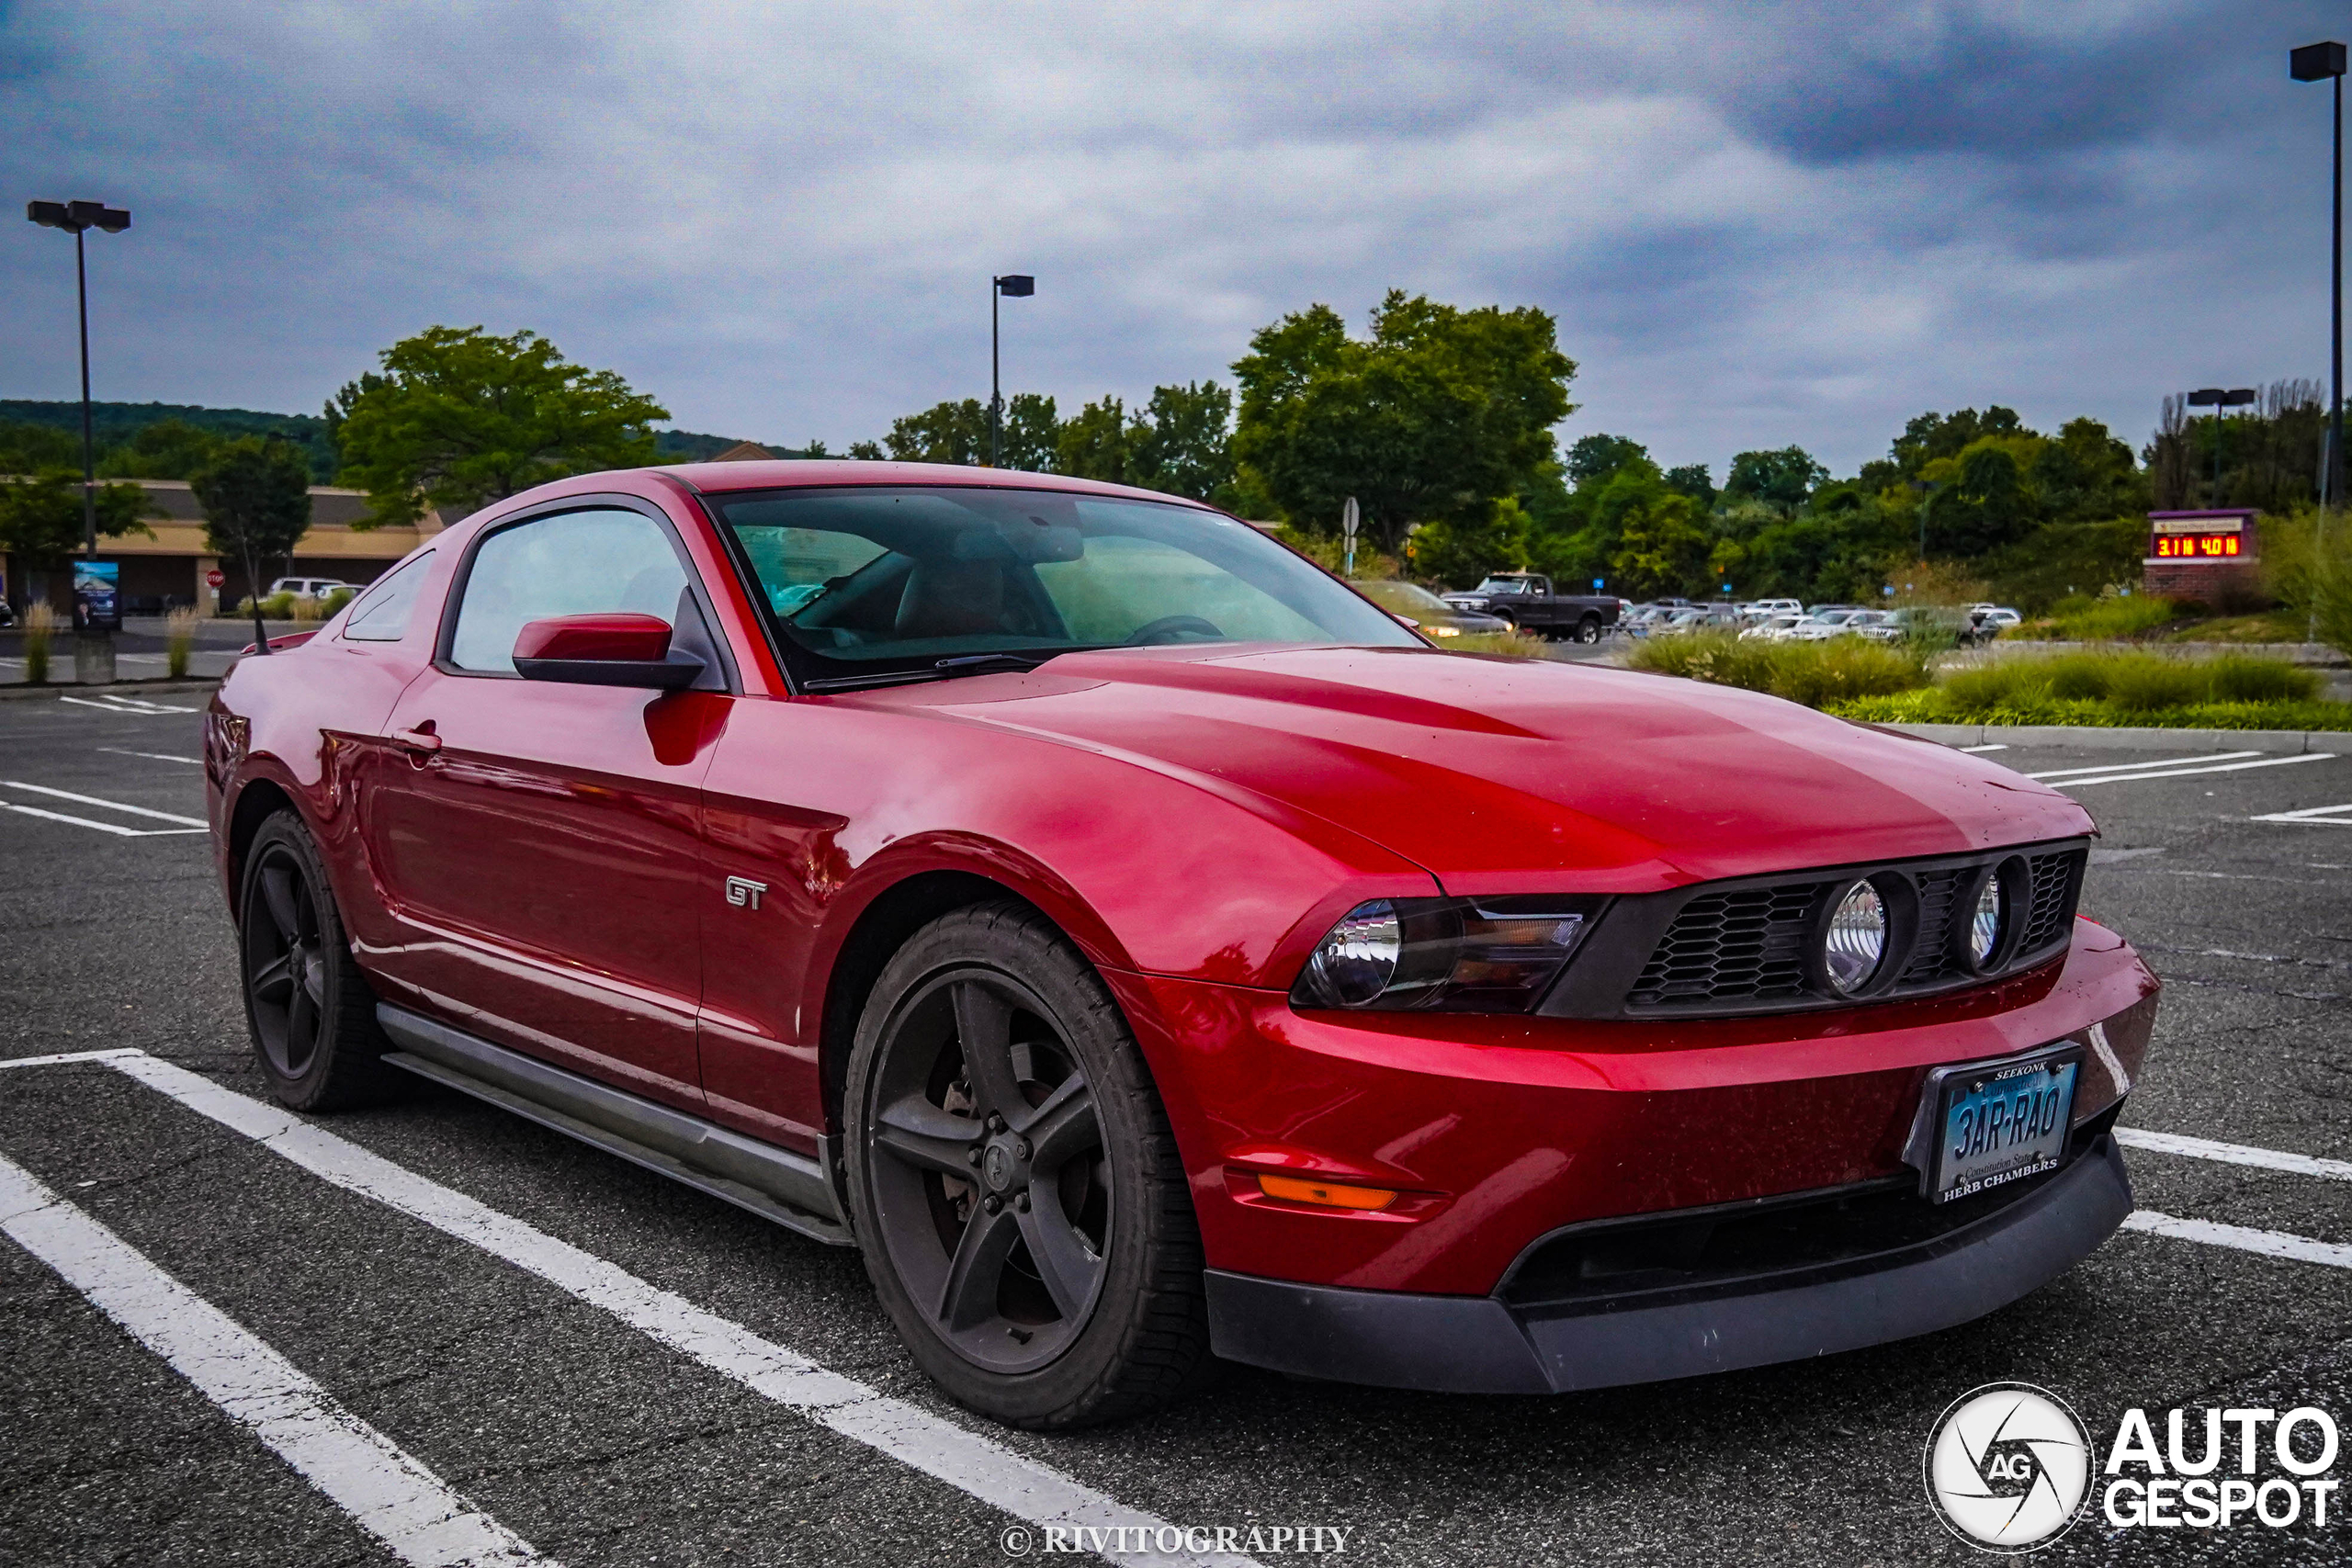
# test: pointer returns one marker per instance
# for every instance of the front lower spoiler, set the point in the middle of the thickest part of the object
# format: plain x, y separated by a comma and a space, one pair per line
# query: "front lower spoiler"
1483, 1345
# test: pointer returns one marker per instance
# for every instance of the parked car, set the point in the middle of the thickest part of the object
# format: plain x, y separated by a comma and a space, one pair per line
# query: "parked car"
1879, 626
1773, 627
1139, 946
1765, 609
1419, 608
307, 586
1703, 617
1525, 598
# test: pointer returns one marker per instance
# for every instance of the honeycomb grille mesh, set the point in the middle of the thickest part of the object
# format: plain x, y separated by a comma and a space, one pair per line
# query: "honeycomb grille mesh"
2053, 897
1745, 946
1742, 945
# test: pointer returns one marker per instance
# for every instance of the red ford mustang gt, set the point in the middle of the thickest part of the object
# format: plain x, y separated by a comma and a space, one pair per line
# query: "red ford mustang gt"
1145, 949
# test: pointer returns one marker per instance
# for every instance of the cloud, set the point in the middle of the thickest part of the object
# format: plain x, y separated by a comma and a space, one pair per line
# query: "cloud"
1757, 224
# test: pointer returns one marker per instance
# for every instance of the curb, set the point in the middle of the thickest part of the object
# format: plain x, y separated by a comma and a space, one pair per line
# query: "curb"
161, 687
2097, 737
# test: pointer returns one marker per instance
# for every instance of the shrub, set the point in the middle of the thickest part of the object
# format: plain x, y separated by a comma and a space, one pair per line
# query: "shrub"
308, 611
2004, 683
40, 626
1514, 642
2147, 684
339, 598
2236, 679
179, 633
1814, 673
2078, 676
2084, 619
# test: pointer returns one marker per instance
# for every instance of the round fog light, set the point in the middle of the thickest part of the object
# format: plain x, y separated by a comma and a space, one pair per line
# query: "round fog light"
1985, 923
1856, 942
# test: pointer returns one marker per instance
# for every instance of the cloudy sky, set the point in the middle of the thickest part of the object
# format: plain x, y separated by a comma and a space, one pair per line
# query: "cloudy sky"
1757, 224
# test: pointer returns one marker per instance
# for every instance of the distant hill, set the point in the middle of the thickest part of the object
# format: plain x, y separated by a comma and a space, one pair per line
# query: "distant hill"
112, 423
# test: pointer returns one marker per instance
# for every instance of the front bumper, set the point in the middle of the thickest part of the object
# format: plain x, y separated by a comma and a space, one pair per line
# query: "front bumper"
1495, 1344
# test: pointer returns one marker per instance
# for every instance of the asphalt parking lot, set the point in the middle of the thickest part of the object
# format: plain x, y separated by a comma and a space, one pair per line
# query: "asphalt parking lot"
472, 1308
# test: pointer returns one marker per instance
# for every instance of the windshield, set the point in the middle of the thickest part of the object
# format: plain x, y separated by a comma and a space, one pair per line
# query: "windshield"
907, 577
1404, 598
1505, 585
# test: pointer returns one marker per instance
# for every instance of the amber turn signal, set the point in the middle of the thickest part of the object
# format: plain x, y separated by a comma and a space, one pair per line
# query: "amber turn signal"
1326, 1194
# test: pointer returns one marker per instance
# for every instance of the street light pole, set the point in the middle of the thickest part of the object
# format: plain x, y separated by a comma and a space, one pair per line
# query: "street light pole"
94, 640
2316, 63
1012, 285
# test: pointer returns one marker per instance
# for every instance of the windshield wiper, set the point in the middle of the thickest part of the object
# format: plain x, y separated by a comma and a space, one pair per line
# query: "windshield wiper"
946, 668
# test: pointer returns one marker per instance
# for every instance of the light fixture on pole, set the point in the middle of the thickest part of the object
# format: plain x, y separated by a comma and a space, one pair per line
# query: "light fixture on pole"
1012, 285
93, 642
2325, 63
2219, 398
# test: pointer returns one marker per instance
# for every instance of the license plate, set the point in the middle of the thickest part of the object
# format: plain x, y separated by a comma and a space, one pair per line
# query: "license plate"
1994, 1122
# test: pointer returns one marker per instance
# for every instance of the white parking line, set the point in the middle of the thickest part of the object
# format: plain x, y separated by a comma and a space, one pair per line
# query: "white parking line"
974, 1464
139, 707
387, 1493
2311, 817
2243, 1238
2191, 761
152, 756
2180, 773
196, 824
2234, 1154
1997, 746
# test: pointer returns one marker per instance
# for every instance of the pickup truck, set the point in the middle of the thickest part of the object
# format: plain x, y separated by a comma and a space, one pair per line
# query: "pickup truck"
1525, 598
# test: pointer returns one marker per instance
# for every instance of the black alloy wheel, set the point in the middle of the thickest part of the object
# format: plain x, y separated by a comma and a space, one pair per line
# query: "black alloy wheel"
1588, 629
1013, 1181
306, 1005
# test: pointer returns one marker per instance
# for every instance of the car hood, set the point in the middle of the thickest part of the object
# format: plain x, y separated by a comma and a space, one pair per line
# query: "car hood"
1500, 775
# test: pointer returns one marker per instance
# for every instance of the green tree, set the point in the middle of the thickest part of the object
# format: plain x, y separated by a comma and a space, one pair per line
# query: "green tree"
1099, 442
1186, 446
1693, 480
167, 449
41, 515
29, 448
1459, 554
957, 432
1783, 480
1438, 416
460, 419
256, 494
2086, 474
1598, 456
1663, 546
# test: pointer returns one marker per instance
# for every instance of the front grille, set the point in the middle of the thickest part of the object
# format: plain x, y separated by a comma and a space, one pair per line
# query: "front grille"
1593, 1266
1747, 946
2055, 891
1739, 945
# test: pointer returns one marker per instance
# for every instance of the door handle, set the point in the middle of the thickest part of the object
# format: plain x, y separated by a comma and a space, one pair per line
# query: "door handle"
420, 741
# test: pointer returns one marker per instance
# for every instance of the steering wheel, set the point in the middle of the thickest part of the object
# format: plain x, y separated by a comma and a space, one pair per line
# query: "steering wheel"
1169, 628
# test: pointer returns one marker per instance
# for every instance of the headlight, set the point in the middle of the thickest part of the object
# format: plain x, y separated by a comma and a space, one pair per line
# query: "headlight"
1444, 954
1443, 631
1854, 945
1986, 937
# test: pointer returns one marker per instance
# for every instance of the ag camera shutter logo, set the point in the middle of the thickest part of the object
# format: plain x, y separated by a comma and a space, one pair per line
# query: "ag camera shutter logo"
2008, 1467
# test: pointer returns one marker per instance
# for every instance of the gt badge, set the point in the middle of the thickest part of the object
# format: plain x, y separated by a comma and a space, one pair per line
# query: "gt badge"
744, 893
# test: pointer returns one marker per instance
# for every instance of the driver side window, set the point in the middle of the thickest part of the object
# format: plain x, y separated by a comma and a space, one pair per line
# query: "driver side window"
572, 563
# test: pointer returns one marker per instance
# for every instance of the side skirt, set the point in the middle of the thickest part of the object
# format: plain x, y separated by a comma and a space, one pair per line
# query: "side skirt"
771, 1182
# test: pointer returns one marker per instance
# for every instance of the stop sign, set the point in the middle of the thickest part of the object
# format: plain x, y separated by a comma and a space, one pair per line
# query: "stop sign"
215, 578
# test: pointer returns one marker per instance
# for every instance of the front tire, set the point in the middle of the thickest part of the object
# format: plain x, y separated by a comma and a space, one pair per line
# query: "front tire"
1013, 1181
308, 1007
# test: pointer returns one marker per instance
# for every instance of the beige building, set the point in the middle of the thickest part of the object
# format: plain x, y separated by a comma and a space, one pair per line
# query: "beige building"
170, 568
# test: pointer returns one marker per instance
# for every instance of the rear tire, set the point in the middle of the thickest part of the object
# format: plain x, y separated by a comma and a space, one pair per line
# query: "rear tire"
1013, 1181
1588, 630
308, 1007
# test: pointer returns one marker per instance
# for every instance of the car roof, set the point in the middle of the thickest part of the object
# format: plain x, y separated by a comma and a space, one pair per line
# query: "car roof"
718, 478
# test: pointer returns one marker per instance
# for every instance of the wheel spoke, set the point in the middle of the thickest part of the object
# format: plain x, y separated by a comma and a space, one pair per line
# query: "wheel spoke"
1065, 1262
974, 1273
984, 1031
927, 1137
285, 909
301, 1019
273, 979
1063, 1126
